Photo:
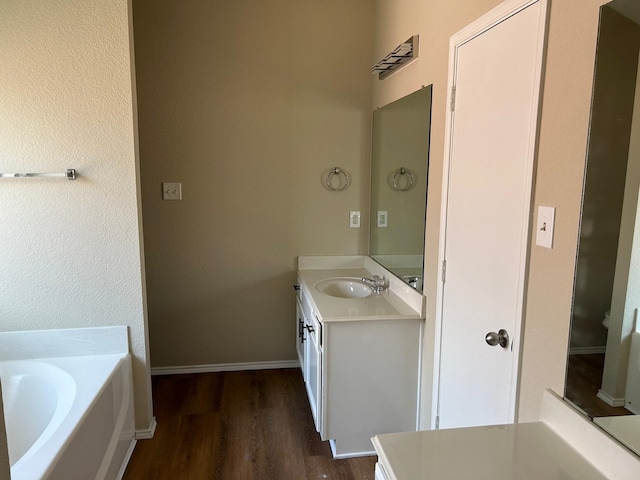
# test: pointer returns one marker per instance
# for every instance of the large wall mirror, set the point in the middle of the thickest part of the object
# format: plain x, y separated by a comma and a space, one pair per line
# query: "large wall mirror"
399, 166
603, 372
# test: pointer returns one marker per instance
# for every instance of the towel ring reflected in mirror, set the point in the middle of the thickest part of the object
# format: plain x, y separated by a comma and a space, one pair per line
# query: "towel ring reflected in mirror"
343, 180
395, 180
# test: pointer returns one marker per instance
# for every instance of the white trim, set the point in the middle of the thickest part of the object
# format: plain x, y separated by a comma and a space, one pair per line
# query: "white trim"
632, 408
127, 458
147, 433
587, 350
224, 367
340, 456
500, 13
506, 9
609, 400
420, 363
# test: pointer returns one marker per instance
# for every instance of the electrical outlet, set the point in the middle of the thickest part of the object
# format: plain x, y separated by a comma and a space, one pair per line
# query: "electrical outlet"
171, 191
383, 217
354, 219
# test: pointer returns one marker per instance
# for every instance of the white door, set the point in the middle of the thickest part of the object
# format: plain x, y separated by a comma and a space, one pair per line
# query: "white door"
486, 222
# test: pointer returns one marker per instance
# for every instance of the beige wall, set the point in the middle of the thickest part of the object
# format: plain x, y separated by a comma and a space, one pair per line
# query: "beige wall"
434, 21
248, 104
71, 251
563, 133
257, 174
560, 166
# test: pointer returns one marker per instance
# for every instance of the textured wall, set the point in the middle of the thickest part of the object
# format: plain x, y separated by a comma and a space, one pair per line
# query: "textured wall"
70, 251
248, 104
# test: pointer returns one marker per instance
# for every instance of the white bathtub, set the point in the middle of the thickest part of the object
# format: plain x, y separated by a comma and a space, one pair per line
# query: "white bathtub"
68, 418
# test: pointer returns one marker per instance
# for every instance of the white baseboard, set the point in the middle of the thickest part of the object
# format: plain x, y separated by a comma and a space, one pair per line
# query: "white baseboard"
343, 455
224, 367
586, 350
609, 400
127, 457
148, 433
632, 408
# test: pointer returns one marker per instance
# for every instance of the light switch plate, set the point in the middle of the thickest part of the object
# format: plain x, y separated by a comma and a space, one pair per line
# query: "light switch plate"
354, 219
545, 225
383, 217
171, 191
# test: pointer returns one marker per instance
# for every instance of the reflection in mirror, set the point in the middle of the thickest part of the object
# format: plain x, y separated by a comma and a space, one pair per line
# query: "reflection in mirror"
603, 369
399, 164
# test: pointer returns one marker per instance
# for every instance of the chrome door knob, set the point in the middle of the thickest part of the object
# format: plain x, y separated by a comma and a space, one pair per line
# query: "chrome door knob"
501, 338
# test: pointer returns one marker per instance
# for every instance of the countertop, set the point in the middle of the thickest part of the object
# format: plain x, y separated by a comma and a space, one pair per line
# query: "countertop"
525, 451
563, 445
381, 306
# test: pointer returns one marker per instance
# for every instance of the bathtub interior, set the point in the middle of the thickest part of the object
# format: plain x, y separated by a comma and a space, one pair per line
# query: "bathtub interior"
82, 412
38, 391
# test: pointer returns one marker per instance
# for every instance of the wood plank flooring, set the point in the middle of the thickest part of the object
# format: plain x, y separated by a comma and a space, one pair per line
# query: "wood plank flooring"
237, 425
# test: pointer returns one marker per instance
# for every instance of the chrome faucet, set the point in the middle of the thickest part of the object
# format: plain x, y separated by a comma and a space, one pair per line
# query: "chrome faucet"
378, 283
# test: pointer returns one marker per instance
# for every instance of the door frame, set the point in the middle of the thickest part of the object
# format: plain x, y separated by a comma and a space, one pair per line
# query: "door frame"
473, 30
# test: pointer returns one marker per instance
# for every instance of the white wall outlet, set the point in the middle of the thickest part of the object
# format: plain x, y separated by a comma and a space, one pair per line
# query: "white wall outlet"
382, 218
545, 225
354, 219
171, 191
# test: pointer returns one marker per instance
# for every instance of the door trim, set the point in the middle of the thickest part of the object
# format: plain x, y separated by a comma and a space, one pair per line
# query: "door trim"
476, 28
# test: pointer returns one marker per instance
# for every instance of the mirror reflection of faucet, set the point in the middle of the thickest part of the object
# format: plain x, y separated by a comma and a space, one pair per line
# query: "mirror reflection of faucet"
414, 281
378, 283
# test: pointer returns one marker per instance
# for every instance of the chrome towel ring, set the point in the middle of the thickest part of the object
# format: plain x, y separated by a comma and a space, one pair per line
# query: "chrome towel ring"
343, 180
400, 173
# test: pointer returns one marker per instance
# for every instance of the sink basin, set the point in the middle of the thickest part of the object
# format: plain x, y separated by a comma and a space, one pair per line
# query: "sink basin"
344, 287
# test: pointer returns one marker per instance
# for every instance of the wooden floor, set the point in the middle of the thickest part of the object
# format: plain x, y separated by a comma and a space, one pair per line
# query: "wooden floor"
584, 378
237, 425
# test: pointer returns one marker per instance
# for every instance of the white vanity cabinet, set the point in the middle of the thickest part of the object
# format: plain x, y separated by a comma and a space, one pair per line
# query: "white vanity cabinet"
309, 352
360, 363
300, 336
370, 381
313, 363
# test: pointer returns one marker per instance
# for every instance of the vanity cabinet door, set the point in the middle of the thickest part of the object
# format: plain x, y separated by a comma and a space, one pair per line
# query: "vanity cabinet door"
380, 474
314, 366
301, 337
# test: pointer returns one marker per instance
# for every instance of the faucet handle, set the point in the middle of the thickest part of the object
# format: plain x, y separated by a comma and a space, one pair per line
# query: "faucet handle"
381, 282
